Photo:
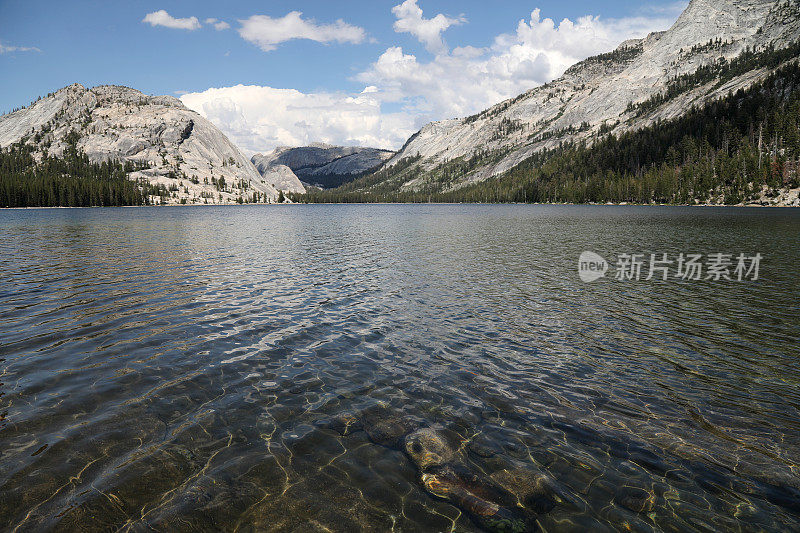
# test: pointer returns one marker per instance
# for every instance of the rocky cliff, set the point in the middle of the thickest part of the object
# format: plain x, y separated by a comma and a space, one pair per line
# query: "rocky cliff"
641, 82
172, 145
281, 177
323, 165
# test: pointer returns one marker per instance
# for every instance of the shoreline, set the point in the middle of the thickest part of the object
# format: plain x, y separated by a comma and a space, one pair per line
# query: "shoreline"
623, 204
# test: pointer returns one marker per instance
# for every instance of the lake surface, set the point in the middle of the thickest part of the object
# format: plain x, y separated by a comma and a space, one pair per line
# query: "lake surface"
266, 367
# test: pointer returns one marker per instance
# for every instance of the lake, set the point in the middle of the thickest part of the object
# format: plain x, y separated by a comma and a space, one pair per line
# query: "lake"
396, 367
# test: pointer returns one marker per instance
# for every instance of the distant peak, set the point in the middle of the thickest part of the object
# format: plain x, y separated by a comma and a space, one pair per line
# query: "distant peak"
116, 87
73, 87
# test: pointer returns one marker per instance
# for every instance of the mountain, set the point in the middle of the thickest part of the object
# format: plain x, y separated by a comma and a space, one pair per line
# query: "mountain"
166, 145
323, 165
715, 48
281, 177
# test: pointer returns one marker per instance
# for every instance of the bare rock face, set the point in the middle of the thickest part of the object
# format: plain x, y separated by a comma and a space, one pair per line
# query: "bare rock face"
171, 144
601, 93
324, 165
282, 178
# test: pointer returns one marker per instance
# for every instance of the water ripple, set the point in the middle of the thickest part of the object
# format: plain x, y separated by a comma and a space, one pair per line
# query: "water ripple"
259, 369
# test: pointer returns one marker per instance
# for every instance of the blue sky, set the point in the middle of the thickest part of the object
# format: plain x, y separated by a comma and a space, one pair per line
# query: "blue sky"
390, 66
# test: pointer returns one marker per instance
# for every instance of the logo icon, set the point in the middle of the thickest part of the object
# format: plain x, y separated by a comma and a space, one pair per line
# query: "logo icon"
591, 267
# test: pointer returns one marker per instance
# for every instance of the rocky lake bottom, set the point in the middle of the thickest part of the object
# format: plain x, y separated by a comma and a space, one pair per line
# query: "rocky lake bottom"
396, 368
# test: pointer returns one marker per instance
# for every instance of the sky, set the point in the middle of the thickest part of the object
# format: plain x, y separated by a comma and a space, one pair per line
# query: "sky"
289, 73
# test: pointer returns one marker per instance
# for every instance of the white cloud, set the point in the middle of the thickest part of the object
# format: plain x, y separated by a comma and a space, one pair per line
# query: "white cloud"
9, 49
219, 25
454, 83
162, 18
427, 31
569, 42
469, 79
267, 32
259, 119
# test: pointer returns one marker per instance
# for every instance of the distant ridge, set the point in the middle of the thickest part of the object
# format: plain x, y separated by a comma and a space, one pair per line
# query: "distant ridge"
323, 165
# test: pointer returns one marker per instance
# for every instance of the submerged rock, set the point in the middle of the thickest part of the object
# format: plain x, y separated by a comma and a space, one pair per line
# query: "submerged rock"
427, 448
343, 424
491, 507
534, 491
635, 499
389, 430
483, 447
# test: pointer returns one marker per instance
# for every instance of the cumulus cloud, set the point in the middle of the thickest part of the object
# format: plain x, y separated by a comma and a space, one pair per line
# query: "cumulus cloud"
427, 31
267, 32
162, 18
219, 25
468, 79
453, 83
569, 42
259, 119
4, 49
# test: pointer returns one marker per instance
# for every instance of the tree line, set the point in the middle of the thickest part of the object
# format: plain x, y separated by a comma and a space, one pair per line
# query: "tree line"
70, 180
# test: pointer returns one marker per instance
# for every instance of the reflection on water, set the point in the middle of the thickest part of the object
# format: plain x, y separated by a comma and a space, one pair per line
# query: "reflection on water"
412, 368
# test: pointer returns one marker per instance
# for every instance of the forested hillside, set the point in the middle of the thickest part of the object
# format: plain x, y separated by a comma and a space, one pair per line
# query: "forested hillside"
727, 152
71, 180
713, 48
